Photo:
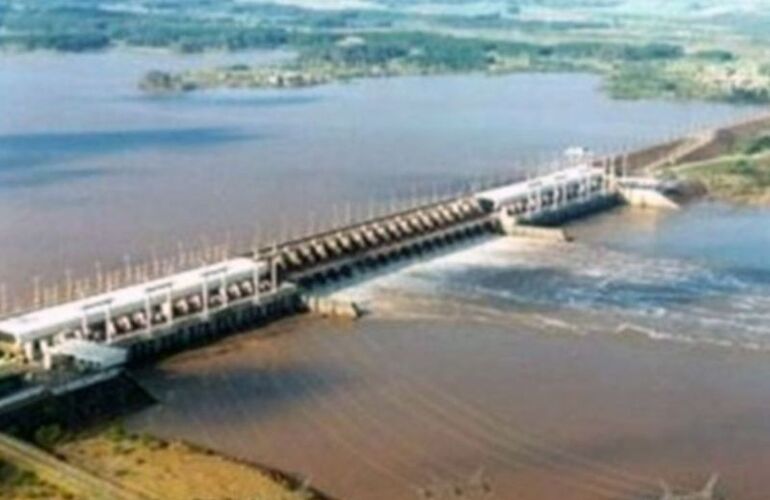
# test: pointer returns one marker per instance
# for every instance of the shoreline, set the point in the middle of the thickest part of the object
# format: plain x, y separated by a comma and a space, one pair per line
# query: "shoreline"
724, 163
83, 430
142, 461
642, 52
137, 465
290, 72
294, 76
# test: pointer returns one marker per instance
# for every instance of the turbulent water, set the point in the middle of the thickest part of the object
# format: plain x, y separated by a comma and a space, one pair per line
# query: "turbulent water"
672, 281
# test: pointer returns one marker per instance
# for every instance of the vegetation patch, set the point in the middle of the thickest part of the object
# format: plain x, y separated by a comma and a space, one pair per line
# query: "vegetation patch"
19, 484
643, 52
172, 469
369, 55
742, 176
755, 145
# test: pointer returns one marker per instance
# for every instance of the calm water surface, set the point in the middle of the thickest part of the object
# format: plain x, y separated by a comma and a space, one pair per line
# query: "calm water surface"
92, 169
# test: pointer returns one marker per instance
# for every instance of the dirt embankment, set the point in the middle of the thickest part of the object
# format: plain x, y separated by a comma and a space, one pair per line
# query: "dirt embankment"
157, 468
705, 146
641, 159
732, 165
143, 467
74, 428
725, 139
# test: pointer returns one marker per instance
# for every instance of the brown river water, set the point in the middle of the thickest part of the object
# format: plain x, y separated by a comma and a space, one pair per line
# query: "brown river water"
586, 370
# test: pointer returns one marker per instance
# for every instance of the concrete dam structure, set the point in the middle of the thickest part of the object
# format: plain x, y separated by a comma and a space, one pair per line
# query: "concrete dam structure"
547, 200
341, 253
93, 336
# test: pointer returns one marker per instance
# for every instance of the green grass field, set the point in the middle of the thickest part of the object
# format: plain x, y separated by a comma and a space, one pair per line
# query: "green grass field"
645, 48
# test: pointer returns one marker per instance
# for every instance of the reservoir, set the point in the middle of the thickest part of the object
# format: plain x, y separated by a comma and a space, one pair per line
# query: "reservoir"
589, 370
91, 169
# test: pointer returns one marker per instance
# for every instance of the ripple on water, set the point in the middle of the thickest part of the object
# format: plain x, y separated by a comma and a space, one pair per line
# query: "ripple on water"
672, 299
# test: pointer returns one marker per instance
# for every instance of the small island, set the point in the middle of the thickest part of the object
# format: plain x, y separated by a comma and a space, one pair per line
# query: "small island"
652, 70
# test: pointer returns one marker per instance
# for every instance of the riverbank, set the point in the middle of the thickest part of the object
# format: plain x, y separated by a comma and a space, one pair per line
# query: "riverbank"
732, 164
738, 179
641, 51
629, 72
73, 446
141, 466
175, 469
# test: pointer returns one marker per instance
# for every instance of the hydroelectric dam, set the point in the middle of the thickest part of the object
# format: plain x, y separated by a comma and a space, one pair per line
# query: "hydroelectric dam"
91, 339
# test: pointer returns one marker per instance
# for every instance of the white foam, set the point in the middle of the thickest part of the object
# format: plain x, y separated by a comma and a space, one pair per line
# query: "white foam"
660, 298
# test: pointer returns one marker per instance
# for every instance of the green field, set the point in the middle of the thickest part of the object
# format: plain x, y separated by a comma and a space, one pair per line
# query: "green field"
644, 48
19, 484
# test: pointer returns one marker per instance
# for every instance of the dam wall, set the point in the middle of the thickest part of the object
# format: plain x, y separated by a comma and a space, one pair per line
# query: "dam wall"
586, 208
147, 320
204, 330
339, 254
700, 146
93, 338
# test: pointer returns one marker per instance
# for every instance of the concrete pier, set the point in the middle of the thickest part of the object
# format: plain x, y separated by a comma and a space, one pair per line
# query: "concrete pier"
513, 228
329, 307
648, 193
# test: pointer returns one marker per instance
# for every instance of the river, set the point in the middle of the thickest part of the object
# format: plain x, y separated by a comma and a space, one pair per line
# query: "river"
537, 370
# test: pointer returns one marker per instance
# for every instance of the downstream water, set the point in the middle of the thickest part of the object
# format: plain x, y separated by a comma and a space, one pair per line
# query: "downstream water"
700, 275
535, 370
551, 371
